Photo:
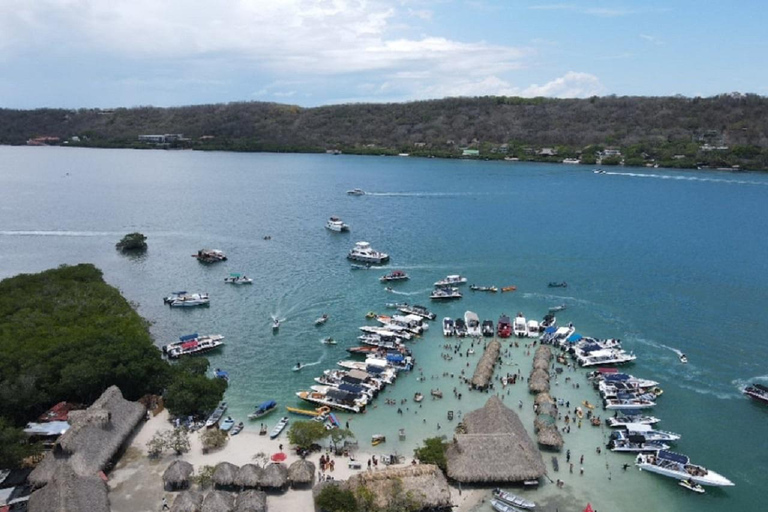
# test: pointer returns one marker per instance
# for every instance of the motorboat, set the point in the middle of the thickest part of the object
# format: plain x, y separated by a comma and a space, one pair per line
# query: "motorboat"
279, 427
216, 415
238, 279
339, 381
549, 320
606, 357
598, 171
275, 324
418, 397
610, 375
648, 432
476, 288
184, 299
557, 284
555, 309
487, 329
356, 192
388, 331
445, 293
218, 373
396, 305
500, 506
683, 359
460, 327
691, 486
520, 326
321, 320
757, 392
333, 398
436, 393
237, 429
412, 324
395, 275
504, 327
193, 344
227, 424
533, 328
634, 443
473, 324
297, 367
263, 409
512, 499
418, 311
624, 418
210, 256
508, 289
676, 465
452, 280
377, 439
628, 403
335, 224
363, 252
361, 267
448, 327
363, 394
329, 341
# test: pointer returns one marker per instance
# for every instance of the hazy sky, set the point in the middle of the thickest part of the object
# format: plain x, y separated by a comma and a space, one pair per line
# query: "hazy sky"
106, 53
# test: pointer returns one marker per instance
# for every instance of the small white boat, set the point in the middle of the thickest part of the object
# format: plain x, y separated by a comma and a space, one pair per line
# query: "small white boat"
445, 293
297, 367
448, 326
555, 309
238, 279
683, 359
512, 499
500, 506
329, 341
356, 192
520, 326
321, 320
335, 224
279, 427
473, 324
363, 252
452, 280
186, 300
395, 275
227, 424
691, 486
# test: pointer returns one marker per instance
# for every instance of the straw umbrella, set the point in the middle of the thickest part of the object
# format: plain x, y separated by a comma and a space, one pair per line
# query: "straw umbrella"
188, 501
301, 472
543, 398
219, 501
486, 365
251, 501
224, 475
425, 483
275, 477
249, 476
176, 476
550, 437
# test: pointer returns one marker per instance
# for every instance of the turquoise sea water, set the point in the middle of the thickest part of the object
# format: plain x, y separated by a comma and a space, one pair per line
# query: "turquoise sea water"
665, 260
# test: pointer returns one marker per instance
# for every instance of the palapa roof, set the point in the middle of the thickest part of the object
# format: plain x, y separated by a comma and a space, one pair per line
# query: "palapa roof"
275, 476
178, 472
68, 492
543, 351
495, 448
225, 474
249, 475
550, 437
484, 369
218, 501
538, 384
543, 398
188, 501
541, 364
425, 482
548, 409
97, 433
251, 501
301, 472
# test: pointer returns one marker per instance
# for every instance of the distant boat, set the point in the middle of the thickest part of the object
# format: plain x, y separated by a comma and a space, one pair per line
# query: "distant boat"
509, 289
598, 171
356, 192
336, 224
560, 284
297, 367
555, 309
329, 341
221, 374
683, 359
238, 279
512, 499
757, 392
275, 324
210, 256
476, 288
321, 320
691, 486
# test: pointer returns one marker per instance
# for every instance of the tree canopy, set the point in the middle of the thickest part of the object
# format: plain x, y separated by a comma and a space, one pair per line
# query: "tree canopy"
306, 433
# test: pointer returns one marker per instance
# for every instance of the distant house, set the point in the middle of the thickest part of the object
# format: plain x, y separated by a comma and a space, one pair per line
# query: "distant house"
162, 139
609, 153
43, 141
470, 153
420, 144
547, 152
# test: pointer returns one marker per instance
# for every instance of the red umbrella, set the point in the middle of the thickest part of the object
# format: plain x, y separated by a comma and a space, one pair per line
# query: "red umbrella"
279, 457
589, 508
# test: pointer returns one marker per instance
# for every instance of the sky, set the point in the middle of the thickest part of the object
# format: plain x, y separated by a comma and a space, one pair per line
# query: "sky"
125, 53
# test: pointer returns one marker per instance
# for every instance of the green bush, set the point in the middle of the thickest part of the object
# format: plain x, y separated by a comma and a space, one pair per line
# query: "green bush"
334, 499
433, 452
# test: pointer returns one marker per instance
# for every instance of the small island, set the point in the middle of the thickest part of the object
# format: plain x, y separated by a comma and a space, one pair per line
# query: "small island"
132, 242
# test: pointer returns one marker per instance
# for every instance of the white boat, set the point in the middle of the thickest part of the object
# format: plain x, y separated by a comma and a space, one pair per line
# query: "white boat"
512, 499
389, 331
321, 320
363, 252
418, 311
634, 443
356, 192
396, 305
340, 400
649, 433
606, 357
533, 328
520, 326
622, 420
453, 280
500, 506
628, 403
187, 300
683, 359
614, 376
279, 427
335, 224
275, 324
216, 415
193, 344
329, 341
676, 465
363, 395
238, 279
445, 293
691, 486
395, 275
447, 326
473, 324
555, 309
210, 255
460, 327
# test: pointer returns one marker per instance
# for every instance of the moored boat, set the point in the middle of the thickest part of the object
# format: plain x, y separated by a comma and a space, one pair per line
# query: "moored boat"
418, 397
333, 398
363, 252
452, 280
237, 429
445, 293
335, 224
418, 311
377, 439
216, 415
473, 324
263, 409
235, 278
520, 326
193, 344
504, 327
691, 486
513, 499
487, 328
279, 427
227, 424
448, 327
395, 275
676, 465
500, 506
210, 256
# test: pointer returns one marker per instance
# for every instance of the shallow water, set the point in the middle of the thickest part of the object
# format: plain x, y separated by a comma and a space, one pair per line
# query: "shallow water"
665, 260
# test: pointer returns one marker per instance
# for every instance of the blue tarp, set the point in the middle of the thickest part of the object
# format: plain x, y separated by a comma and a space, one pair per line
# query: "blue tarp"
616, 376
550, 330
351, 388
396, 358
573, 338
266, 405
189, 337
677, 457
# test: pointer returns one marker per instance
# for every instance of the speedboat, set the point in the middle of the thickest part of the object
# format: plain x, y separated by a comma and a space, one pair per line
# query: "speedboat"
418, 311
184, 299
356, 192
238, 279
445, 293
608, 356
676, 465
473, 324
460, 327
329, 341
395, 275
504, 327
297, 367
549, 320
210, 256
691, 486
333, 398
560, 284
263, 409
634, 443
418, 397
629, 403
216, 415
648, 432
476, 288
363, 252
683, 359
487, 328
448, 327
193, 344
279, 427
367, 266
321, 320
757, 392
555, 309
520, 326
609, 375
453, 280
218, 373
624, 418
533, 328
396, 305
335, 224
227, 424
512, 499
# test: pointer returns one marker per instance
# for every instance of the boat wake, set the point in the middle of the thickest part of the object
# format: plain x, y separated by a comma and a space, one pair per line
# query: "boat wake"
398, 292
423, 194
60, 233
304, 365
740, 384
684, 178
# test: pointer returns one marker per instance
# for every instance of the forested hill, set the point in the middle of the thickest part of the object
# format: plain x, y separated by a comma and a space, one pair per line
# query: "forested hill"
731, 129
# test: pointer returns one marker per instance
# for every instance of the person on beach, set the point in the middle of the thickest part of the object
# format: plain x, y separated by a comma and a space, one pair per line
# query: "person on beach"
165, 504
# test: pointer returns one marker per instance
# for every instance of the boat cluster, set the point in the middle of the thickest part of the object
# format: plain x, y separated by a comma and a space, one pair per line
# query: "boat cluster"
356, 383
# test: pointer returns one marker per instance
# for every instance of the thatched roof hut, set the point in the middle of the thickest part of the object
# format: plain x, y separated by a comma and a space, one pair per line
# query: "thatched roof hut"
484, 369
95, 436
550, 437
543, 351
275, 476
547, 409
542, 421
225, 474
538, 384
541, 364
425, 482
188, 501
176, 476
249, 476
68, 492
543, 398
495, 448
251, 501
301, 472
218, 501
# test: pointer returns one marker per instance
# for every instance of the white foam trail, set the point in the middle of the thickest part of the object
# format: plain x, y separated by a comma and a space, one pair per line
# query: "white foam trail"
397, 292
423, 194
59, 233
303, 365
740, 384
685, 178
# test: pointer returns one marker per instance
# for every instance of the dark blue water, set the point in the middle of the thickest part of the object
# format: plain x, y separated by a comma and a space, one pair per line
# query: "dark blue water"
664, 260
